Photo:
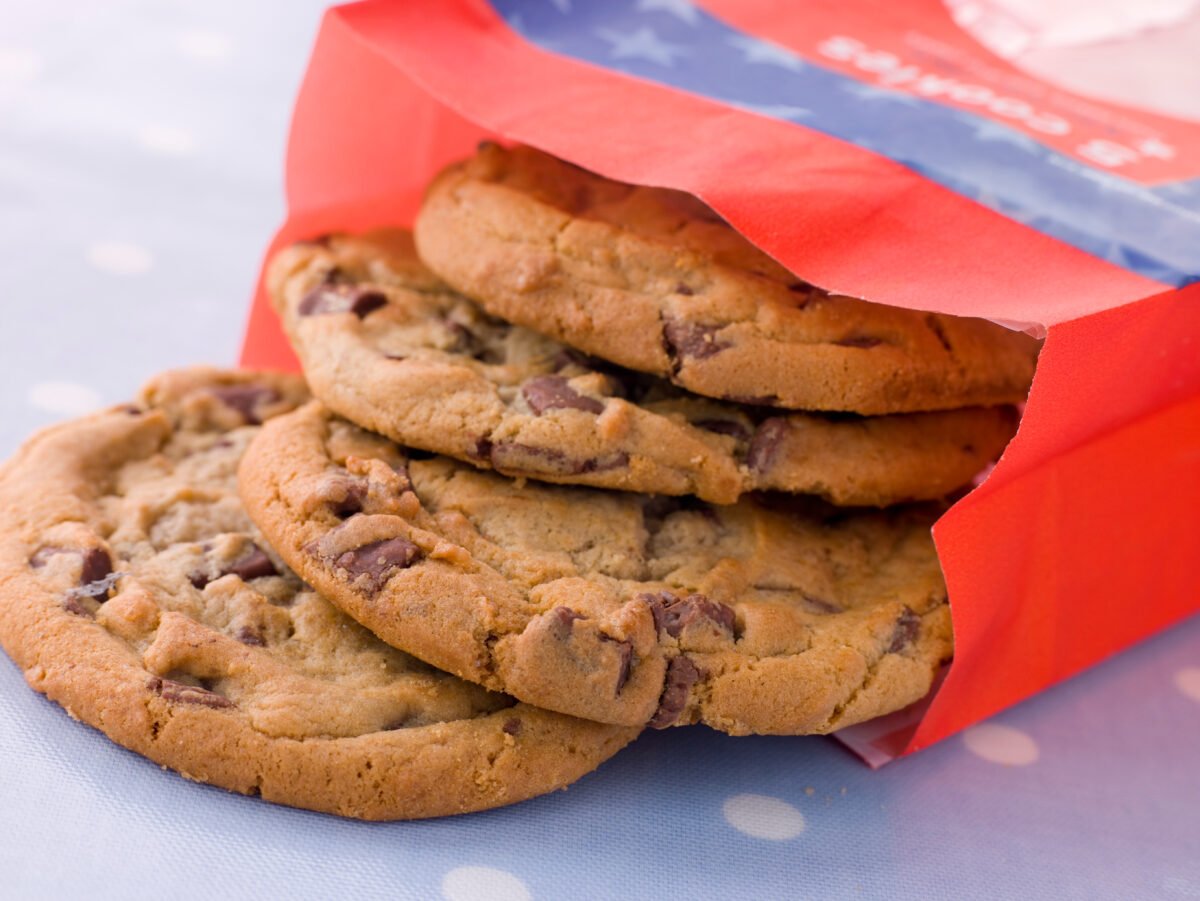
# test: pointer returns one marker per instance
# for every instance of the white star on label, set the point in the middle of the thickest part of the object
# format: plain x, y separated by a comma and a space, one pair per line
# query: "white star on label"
765, 53
1157, 148
993, 132
774, 110
641, 44
681, 9
870, 92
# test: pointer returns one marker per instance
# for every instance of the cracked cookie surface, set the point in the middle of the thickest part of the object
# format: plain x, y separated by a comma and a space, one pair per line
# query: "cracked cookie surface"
772, 615
654, 280
388, 345
136, 593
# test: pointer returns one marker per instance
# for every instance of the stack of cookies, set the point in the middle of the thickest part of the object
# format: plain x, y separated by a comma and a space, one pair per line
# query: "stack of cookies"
577, 460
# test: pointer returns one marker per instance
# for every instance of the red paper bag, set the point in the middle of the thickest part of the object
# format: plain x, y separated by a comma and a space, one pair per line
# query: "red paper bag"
876, 150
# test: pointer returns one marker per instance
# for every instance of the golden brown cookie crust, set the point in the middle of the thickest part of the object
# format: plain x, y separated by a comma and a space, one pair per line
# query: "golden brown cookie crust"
767, 616
387, 345
135, 592
654, 280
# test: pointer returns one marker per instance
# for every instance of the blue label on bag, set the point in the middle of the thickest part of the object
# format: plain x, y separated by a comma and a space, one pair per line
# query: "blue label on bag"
905, 113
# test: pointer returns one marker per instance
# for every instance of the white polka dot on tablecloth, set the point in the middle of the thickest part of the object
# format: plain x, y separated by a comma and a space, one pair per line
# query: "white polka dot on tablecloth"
19, 64
1187, 680
761, 816
64, 398
1001, 744
211, 46
166, 139
119, 257
483, 884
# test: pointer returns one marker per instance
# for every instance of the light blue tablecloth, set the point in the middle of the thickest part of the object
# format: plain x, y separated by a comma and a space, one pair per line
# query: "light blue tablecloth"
140, 159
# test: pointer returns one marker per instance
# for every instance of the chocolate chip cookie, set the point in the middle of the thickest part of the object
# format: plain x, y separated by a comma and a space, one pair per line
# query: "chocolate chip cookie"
389, 346
773, 615
654, 280
136, 593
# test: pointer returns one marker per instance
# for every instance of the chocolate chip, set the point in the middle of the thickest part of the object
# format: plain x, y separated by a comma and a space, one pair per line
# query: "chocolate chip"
97, 589
863, 341
353, 491
96, 578
512, 726
482, 449
254, 565
562, 621
179, 693
908, 627
934, 324
378, 561
724, 427
71, 604
551, 392
246, 399
95, 563
625, 651
253, 637
691, 339
752, 400
820, 605
765, 443
341, 297
683, 289
512, 456
682, 674
569, 356
673, 614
